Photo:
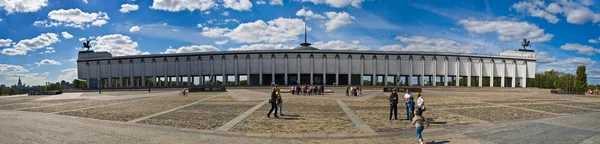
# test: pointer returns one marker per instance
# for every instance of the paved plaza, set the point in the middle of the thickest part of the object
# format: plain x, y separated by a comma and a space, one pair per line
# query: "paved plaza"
456, 115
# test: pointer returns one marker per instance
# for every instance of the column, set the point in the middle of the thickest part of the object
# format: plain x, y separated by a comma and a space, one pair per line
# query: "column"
469, 72
337, 70
298, 66
423, 71
502, 74
247, 70
99, 80
177, 78
143, 73
524, 79
374, 77
189, 72
109, 75
285, 74
446, 71
131, 82
399, 60
120, 74
213, 79
312, 65
362, 68
349, 70
153, 72
410, 71
225, 80
260, 70
385, 75
480, 72
514, 77
87, 64
235, 70
434, 81
492, 74
457, 77
165, 79
324, 70
273, 69
201, 79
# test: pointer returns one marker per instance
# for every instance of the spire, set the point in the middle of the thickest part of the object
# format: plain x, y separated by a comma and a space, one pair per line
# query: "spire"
305, 35
19, 82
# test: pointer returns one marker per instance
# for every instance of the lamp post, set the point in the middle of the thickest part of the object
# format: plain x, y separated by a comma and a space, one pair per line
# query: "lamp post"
100, 87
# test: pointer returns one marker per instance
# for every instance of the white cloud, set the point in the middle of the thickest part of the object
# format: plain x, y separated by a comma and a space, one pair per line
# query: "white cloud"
116, 44
543, 57
82, 39
337, 3
225, 13
181, 5
66, 35
420, 43
239, 5
191, 49
574, 62
199, 25
308, 14
261, 47
47, 62
214, 32
507, 30
340, 45
12, 6
1, 20
175, 30
29, 78
581, 49
221, 42
67, 75
594, 41
134, 29
576, 12
21, 48
85, 1
48, 50
7, 69
73, 18
259, 2
274, 31
5, 42
276, 2
125, 8
337, 20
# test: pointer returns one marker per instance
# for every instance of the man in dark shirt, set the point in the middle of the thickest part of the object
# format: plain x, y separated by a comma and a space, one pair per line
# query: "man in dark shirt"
394, 104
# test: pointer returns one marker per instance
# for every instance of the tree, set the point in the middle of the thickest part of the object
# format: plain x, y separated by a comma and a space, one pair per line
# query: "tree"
581, 78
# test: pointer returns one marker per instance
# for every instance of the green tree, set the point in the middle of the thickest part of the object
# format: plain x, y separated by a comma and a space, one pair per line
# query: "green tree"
581, 78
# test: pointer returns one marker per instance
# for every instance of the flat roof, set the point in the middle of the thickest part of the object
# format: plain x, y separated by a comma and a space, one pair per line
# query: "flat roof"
371, 52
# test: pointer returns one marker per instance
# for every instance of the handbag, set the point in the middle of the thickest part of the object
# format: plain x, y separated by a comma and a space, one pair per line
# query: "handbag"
423, 107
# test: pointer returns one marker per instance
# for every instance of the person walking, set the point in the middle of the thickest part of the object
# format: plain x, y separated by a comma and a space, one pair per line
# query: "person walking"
347, 91
418, 122
420, 103
279, 102
394, 104
292, 90
409, 104
273, 102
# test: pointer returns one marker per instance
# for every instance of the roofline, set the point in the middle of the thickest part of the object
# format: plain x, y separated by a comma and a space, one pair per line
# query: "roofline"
426, 53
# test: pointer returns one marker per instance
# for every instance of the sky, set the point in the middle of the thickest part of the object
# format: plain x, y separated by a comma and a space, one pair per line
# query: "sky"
40, 39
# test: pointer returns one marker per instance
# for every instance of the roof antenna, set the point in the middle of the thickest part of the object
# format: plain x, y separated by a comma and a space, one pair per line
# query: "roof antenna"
305, 42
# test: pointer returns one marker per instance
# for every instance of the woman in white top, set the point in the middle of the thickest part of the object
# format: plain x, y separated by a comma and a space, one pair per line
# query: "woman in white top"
420, 103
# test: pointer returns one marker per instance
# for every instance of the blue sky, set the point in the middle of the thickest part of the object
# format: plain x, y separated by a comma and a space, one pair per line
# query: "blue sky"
39, 39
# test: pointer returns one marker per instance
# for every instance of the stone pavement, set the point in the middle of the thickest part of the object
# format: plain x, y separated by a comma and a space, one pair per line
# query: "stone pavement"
28, 127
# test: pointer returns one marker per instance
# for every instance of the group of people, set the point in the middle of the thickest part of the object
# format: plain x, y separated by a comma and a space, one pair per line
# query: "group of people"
276, 102
414, 114
353, 91
308, 90
590, 91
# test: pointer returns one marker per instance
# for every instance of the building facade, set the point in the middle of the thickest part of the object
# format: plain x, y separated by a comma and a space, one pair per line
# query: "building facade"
312, 66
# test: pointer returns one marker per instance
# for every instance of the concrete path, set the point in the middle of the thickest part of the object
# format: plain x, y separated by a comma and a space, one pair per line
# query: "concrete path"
28, 127
360, 124
170, 110
241, 117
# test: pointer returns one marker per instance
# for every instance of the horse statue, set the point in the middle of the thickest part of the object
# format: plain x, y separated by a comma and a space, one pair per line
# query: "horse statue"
87, 45
525, 44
